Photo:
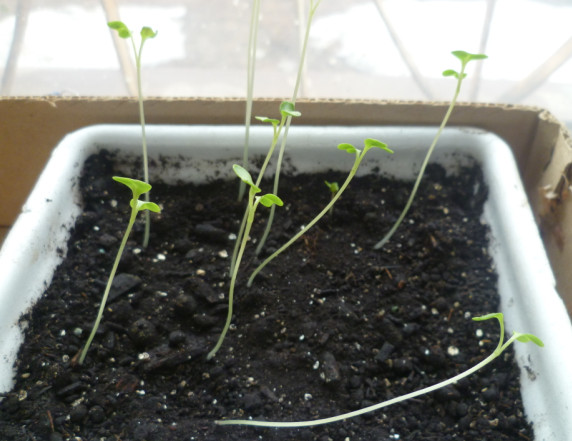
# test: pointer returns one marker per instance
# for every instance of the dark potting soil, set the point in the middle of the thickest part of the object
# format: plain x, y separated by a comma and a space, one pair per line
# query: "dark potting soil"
329, 327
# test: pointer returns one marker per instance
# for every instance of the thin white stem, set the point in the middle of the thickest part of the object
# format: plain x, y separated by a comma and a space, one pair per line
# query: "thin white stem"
258, 181
313, 7
251, 64
109, 283
397, 223
352, 173
251, 210
143, 137
368, 409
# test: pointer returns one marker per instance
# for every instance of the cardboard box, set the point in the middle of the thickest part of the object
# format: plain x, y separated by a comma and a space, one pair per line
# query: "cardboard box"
31, 127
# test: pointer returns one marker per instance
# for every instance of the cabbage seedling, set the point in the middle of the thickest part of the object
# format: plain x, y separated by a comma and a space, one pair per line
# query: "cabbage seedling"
268, 200
146, 33
137, 188
313, 7
465, 57
359, 155
287, 111
516, 336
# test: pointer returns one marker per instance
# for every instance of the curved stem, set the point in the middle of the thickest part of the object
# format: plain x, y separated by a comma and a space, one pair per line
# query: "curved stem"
396, 225
352, 173
365, 409
498, 351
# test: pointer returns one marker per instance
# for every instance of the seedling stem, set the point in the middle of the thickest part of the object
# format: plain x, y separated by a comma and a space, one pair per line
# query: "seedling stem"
313, 7
465, 57
516, 336
359, 155
138, 188
253, 201
146, 33
251, 62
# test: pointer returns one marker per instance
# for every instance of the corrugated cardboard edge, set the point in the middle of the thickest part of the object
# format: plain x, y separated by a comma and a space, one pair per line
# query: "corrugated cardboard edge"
550, 153
30, 127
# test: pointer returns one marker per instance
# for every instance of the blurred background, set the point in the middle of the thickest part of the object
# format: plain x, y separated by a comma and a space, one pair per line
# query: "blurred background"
360, 49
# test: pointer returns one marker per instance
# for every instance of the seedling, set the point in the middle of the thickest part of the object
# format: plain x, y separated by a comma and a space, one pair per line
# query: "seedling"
287, 111
465, 57
137, 188
146, 33
313, 7
359, 155
334, 188
268, 200
516, 336
250, 62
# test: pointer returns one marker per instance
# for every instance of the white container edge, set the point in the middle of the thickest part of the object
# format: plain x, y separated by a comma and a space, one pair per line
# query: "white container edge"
526, 283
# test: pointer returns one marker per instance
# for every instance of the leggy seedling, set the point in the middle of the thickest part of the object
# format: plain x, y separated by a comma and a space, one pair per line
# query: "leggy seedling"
516, 336
287, 111
268, 200
250, 62
146, 33
359, 155
137, 188
465, 58
313, 7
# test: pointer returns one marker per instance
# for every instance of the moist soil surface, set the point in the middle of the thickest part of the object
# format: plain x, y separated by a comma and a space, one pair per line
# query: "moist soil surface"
328, 327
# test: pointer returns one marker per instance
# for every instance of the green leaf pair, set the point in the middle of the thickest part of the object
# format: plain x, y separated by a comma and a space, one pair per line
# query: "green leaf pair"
124, 32
138, 188
368, 143
268, 199
465, 57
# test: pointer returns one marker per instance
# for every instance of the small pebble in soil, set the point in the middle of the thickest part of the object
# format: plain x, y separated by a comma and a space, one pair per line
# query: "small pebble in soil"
143, 333
78, 413
330, 368
452, 351
185, 305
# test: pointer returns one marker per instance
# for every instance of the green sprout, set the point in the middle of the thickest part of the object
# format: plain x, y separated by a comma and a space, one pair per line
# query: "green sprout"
137, 188
146, 33
501, 347
465, 58
250, 62
359, 155
268, 200
334, 188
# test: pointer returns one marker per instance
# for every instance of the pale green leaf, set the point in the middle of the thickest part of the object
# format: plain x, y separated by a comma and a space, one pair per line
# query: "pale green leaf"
122, 30
348, 148
270, 199
137, 187
287, 109
369, 143
245, 177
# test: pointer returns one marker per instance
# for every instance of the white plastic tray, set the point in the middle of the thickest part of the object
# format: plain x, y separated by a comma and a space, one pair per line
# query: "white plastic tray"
526, 284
